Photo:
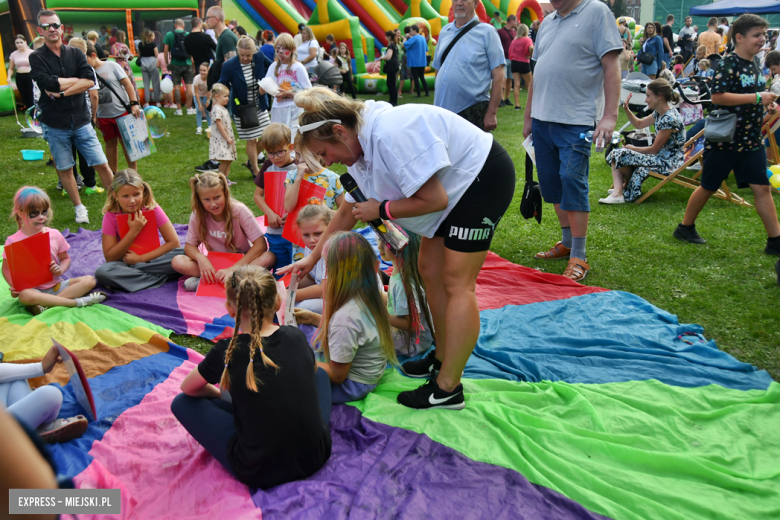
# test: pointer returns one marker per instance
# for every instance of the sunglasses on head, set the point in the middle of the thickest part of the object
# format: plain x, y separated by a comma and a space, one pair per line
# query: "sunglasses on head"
34, 214
46, 26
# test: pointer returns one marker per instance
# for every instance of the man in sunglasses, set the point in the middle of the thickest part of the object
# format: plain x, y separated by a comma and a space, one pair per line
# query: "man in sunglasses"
63, 75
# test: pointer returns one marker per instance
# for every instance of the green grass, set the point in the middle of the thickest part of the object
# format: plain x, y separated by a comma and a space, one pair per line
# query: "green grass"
728, 285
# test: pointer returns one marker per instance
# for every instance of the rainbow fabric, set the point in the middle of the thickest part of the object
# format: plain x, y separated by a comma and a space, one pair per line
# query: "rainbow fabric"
582, 403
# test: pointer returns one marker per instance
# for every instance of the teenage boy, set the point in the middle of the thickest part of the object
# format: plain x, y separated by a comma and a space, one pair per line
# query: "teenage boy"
277, 143
739, 88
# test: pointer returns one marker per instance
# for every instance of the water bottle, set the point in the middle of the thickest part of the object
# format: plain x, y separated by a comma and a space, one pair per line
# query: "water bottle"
588, 137
296, 86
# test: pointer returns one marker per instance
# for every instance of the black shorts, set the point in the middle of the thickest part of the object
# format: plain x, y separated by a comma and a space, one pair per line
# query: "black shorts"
471, 225
520, 67
749, 168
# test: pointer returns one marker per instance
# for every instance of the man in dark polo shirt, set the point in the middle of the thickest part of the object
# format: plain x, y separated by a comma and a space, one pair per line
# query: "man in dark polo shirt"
199, 45
63, 76
507, 34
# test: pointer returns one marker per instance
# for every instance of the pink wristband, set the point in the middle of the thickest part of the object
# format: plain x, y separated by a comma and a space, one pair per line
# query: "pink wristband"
387, 210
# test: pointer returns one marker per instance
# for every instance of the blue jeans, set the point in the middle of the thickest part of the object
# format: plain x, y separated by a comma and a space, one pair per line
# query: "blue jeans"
61, 142
282, 249
650, 70
200, 103
563, 164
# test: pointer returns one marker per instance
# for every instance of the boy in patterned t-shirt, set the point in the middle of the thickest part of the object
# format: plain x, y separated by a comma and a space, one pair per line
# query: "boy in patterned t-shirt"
739, 87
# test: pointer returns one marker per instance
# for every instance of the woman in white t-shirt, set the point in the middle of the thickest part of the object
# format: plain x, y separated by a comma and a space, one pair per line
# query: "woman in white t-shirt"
307, 51
290, 75
445, 180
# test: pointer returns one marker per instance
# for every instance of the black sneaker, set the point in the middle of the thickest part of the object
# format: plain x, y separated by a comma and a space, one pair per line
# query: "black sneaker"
501, 103
777, 270
508, 102
207, 166
430, 396
422, 367
772, 246
79, 182
689, 234
59, 185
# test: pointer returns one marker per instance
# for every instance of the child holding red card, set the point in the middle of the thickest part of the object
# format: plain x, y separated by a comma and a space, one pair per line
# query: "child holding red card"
125, 269
209, 226
32, 211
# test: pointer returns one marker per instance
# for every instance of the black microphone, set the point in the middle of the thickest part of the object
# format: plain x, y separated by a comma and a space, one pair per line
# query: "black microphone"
352, 187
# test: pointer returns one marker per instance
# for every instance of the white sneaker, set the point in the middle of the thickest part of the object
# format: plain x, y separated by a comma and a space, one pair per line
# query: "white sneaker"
610, 191
191, 112
146, 105
191, 284
82, 215
198, 131
91, 299
178, 112
612, 200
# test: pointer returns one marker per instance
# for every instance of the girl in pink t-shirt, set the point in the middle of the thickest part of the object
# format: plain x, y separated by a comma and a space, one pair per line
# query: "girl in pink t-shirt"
126, 269
32, 210
211, 228
520, 52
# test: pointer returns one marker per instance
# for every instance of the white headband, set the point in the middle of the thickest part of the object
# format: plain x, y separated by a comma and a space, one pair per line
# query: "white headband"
313, 126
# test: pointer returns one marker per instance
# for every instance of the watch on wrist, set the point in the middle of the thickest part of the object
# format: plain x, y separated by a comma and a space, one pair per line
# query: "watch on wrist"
62, 93
134, 103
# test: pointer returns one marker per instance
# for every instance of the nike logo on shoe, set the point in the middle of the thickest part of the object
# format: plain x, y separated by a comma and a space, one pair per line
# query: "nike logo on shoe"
435, 401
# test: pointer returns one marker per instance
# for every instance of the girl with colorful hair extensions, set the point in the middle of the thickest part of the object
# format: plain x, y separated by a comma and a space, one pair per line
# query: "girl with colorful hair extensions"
124, 269
32, 212
354, 328
210, 226
411, 328
273, 428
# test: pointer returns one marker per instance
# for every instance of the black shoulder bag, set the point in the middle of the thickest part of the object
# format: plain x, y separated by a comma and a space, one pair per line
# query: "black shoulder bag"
531, 203
104, 100
458, 36
247, 114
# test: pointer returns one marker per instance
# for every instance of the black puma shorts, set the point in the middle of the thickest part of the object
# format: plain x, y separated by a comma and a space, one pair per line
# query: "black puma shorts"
470, 226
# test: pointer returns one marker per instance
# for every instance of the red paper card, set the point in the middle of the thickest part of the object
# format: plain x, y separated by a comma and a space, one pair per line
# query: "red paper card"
29, 260
78, 379
219, 261
274, 192
147, 240
308, 190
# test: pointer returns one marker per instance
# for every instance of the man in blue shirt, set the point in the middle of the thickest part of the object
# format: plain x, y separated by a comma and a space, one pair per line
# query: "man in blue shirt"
463, 81
416, 47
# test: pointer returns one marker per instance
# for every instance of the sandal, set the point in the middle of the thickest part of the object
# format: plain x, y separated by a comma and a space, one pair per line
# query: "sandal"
63, 430
577, 270
556, 252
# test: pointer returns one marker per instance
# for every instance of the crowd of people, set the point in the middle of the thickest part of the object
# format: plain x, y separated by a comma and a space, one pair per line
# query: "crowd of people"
446, 182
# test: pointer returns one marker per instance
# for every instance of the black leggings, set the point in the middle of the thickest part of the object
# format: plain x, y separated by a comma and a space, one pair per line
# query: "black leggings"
25, 85
418, 74
211, 422
348, 84
87, 171
392, 84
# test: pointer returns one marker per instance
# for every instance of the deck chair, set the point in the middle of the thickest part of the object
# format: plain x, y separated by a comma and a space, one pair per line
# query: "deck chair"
768, 130
694, 150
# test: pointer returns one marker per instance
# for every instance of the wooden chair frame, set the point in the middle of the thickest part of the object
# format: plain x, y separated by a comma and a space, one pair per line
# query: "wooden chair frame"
768, 131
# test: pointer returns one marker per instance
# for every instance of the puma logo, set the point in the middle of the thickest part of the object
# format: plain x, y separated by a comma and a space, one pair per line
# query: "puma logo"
489, 222
474, 234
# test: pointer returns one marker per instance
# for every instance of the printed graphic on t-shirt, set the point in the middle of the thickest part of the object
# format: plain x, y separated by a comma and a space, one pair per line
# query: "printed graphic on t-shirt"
739, 76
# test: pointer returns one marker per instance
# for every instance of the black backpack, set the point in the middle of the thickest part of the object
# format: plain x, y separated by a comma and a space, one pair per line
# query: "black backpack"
179, 51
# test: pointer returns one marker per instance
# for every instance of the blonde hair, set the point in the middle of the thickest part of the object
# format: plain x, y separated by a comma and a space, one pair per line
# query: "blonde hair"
522, 30
218, 88
319, 104
351, 264
92, 36
275, 136
121, 36
78, 43
217, 11
661, 87
307, 34
246, 43
705, 64
314, 212
147, 36
128, 177
286, 41
207, 181
250, 288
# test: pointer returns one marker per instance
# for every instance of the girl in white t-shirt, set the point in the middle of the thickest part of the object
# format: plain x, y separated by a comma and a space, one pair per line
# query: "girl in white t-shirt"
354, 329
290, 75
312, 220
211, 228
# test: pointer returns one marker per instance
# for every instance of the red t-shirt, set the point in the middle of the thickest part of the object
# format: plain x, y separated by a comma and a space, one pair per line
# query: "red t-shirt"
518, 51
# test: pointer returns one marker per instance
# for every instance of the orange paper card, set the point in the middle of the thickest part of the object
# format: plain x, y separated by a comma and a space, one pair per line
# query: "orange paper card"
308, 190
219, 261
29, 260
147, 240
274, 192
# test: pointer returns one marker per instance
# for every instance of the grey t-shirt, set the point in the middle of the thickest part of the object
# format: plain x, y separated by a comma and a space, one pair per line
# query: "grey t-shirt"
686, 44
568, 77
353, 338
398, 305
108, 104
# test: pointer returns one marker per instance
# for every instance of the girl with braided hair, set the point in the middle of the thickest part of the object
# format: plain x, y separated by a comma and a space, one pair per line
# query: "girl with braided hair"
273, 428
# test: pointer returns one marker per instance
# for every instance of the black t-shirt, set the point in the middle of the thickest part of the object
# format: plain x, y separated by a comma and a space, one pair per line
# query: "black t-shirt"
146, 50
666, 33
99, 51
392, 63
736, 75
280, 435
201, 47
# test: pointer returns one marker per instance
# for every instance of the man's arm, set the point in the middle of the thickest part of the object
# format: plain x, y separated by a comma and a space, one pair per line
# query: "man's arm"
167, 51
527, 116
490, 122
40, 74
79, 87
611, 66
